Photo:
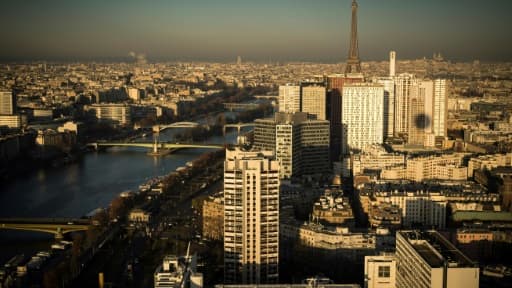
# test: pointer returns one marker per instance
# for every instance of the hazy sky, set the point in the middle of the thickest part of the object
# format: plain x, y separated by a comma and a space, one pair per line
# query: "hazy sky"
260, 30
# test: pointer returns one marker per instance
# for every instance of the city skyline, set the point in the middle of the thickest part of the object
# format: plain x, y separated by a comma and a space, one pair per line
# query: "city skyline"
221, 31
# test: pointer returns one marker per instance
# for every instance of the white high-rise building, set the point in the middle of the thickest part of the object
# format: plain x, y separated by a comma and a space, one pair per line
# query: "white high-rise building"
251, 217
392, 63
404, 86
289, 98
314, 101
362, 116
440, 108
426, 259
7, 103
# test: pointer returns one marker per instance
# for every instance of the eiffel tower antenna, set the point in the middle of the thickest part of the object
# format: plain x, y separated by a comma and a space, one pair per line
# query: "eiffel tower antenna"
353, 62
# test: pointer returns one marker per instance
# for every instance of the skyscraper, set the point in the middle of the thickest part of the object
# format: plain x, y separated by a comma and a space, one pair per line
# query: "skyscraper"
440, 108
289, 98
404, 86
251, 217
314, 101
353, 63
362, 116
392, 63
389, 105
335, 85
420, 113
7, 103
301, 145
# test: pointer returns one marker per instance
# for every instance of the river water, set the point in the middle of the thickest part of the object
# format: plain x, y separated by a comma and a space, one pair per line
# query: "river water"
76, 189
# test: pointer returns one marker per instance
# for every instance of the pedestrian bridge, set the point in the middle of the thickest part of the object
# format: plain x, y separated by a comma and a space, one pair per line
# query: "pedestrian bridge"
56, 226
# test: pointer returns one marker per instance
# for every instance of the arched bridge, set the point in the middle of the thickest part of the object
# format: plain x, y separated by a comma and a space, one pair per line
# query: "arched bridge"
159, 128
55, 226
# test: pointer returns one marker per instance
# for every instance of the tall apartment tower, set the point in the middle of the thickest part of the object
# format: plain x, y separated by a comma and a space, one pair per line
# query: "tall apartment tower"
392, 63
251, 218
404, 86
289, 98
428, 260
7, 103
440, 108
313, 101
362, 116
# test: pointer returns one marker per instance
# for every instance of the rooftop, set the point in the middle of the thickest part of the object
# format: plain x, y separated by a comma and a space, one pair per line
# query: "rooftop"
436, 250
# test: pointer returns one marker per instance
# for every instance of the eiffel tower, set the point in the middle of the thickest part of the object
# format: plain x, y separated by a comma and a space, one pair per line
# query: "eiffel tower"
353, 62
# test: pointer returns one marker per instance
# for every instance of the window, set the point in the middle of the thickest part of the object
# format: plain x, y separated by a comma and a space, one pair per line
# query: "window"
384, 271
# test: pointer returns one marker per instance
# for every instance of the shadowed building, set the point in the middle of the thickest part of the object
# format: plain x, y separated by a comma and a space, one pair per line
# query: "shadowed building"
301, 145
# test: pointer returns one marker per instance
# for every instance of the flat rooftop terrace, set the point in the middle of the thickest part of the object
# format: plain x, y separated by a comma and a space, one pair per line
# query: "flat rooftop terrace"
436, 250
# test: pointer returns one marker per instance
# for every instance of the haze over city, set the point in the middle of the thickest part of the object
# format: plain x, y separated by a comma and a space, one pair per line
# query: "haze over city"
284, 30
237, 144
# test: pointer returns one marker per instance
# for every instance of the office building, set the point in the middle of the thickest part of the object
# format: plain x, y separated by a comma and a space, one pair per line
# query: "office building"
362, 116
392, 63
440, 111
314, 99
11, 121
300, 145
420, 113
404, 87
389, 105
335, 83
7, 103
428, 260
289, 98
116, 114
380, 271
251, 217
